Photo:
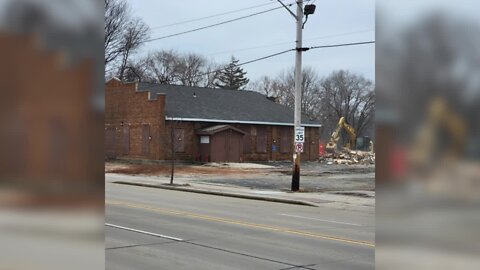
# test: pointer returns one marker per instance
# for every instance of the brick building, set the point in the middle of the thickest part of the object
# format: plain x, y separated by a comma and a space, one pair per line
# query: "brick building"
51, 135
143, 119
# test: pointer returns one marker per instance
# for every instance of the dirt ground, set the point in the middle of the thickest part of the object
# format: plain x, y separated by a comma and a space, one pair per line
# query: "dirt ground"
181, 169
315, 177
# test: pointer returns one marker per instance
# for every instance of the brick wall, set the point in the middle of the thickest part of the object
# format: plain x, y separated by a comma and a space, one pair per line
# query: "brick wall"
126, 112
274, 137
50, 132
191, 144
190, 140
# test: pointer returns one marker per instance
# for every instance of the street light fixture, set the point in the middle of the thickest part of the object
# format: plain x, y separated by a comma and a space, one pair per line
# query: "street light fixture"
309, 9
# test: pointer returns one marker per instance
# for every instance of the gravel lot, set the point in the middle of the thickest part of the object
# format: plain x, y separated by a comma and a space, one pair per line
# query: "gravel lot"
315, 177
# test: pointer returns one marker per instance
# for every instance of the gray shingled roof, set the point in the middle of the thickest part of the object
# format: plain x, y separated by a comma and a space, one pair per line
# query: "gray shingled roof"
231, 106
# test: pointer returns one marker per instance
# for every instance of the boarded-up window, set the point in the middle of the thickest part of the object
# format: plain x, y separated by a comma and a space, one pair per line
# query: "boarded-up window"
16, 151
179, 139
58, 146
145, 140
110, 142
247, 141
261, 139
286, 140
126, 139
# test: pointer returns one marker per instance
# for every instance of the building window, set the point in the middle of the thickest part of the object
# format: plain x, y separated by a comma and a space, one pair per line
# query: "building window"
261, 139
286, 140
247, 143
58, 146
179, 140
126, 139
204, 139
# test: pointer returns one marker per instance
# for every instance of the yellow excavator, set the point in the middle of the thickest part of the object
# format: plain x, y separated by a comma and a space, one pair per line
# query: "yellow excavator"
332, 144
425, 147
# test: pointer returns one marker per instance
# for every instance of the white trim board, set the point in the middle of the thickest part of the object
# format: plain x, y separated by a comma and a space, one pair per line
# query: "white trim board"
237, 122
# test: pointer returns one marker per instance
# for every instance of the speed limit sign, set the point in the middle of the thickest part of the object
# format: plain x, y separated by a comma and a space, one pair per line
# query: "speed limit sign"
299, 134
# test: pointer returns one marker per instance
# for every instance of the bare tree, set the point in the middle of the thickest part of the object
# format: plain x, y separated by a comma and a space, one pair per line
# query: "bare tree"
211, 71
136, 71
283, 89
123, 33
171, 142
310, 92
436, 57
173, 150
170, 67
328, 99
163, 66
348, 95
116, 17
265, 85
190, 69
136, 32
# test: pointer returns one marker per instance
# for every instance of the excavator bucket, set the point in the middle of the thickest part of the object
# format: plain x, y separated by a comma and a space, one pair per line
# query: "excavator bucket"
330, 147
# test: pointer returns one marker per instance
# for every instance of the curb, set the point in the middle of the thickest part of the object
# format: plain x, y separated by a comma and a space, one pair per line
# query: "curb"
218, 193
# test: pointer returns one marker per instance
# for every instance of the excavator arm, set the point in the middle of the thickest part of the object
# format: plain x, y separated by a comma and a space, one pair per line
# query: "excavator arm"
353, 135
440, 117
342, 124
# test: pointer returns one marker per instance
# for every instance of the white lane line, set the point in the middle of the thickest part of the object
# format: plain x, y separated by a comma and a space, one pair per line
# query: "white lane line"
144, 232
324, 220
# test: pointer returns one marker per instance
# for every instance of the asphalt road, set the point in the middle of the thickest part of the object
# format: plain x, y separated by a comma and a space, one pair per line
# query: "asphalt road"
149, 228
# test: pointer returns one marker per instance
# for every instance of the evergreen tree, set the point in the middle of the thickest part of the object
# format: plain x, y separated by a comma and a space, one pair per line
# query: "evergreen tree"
232, 76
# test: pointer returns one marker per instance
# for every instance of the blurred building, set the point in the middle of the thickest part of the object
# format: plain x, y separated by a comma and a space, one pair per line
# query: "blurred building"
50, 133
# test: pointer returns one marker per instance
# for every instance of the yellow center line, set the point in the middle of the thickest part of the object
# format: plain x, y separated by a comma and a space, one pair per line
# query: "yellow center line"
238, 222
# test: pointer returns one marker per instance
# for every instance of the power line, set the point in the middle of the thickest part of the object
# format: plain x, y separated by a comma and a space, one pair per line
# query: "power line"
213, 25
339, 35
283, 52
341, 45
265, 57
245, 63
212, 16
252, 48
287, 42
289, 50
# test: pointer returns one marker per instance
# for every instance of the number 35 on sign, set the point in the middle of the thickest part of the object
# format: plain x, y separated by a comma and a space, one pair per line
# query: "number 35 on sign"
299, 134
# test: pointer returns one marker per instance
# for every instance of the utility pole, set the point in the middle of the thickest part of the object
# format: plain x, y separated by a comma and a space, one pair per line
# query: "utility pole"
298, 96
299, 134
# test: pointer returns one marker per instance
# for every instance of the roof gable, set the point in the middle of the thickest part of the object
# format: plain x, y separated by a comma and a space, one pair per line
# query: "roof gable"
218, 128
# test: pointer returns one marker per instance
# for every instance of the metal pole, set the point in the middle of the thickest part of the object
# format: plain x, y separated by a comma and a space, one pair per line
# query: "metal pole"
298, 94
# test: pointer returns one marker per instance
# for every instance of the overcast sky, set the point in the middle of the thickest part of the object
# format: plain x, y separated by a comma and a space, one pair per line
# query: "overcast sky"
334, 21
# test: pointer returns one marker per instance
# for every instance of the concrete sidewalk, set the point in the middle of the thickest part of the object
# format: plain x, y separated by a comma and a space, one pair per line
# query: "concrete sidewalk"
361, 200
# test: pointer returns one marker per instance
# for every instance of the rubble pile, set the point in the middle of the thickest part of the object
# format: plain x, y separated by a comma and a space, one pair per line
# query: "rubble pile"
348, 157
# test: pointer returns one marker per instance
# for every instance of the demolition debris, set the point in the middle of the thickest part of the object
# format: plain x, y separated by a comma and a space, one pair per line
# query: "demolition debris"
348, 157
